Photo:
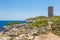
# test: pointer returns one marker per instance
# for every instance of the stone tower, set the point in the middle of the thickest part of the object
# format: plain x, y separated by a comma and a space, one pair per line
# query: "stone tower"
50, 11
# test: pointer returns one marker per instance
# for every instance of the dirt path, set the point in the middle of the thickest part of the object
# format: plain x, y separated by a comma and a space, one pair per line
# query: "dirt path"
49, 36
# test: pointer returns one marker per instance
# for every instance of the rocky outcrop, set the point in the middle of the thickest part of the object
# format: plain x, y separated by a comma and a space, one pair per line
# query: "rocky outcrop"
23, 32
4, 37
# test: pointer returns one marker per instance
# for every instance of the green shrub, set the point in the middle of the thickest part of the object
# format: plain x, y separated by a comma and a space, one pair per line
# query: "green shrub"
56, 30
10, 23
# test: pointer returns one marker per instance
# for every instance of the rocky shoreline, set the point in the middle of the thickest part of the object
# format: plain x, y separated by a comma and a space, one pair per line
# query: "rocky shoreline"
24, 32
20, 32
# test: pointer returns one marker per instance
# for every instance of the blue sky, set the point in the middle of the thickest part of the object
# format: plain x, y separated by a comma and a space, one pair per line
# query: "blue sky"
22, 9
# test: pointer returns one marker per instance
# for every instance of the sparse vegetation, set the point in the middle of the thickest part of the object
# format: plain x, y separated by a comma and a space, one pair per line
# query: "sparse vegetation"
37, 26
17, 22
11, 23
43, 21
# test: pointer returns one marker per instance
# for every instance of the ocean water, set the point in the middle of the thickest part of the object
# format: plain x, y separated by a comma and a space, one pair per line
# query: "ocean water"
3, 23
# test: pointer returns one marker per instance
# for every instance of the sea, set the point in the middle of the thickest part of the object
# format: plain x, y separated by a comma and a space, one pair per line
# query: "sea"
4, 22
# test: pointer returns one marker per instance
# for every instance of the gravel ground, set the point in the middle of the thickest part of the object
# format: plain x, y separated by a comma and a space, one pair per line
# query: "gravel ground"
49, 36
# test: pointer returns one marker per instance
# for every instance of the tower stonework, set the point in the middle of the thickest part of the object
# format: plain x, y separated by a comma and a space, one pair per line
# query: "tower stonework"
50, 11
